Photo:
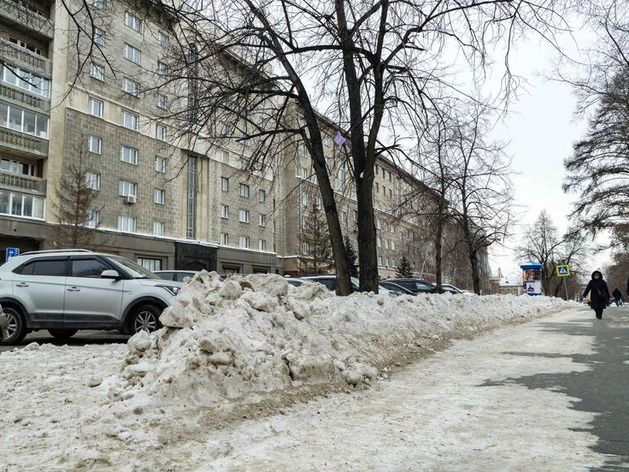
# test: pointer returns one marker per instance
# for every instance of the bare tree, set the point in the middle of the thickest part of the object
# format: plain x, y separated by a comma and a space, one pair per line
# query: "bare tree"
484, 202
75, 207
258, 73
543, 244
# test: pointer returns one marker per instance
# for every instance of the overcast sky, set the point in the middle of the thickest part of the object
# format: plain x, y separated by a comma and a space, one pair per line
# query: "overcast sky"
541, 128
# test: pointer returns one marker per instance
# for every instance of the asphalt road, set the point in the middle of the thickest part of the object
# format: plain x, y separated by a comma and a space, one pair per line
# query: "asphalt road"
79, 339
603, 388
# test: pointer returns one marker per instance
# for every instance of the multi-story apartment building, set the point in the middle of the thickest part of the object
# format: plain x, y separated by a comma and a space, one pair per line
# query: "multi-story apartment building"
159, 202
161, 199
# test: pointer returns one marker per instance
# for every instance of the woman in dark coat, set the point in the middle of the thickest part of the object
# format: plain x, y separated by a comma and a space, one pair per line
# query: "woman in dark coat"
599, 294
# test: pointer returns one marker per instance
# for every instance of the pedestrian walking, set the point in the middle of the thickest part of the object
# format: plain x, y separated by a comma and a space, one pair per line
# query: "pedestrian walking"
617, 297
599, 293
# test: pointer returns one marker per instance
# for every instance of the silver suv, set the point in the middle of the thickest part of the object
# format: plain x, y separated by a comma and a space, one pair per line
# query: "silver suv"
64, 291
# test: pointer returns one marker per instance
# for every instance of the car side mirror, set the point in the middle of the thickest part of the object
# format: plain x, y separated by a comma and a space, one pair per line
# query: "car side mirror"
110, 274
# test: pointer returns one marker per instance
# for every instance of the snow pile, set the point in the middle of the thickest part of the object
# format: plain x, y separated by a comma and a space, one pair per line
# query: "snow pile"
255, 334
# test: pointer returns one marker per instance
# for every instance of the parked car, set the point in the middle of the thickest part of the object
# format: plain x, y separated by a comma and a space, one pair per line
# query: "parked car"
415, 285
451, 289
176, 275
296, 282
4, 324
330, 282
64, 291
395, 289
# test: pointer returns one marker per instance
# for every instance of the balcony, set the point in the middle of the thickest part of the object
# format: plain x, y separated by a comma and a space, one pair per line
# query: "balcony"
23, 183
25, 58
23, 144
18, 15
24, 99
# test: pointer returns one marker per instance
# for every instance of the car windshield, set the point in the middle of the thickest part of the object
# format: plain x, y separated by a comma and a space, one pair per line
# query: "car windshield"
135, 270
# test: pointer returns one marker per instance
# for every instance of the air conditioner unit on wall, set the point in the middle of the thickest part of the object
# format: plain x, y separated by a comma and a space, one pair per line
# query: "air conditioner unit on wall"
131, 199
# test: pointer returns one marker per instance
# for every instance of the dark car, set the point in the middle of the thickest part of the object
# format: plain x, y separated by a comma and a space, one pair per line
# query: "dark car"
394, 288
329, 281
415, 285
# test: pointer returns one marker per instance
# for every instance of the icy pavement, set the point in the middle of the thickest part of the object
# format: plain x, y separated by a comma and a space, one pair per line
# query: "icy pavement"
457, 410
446, 413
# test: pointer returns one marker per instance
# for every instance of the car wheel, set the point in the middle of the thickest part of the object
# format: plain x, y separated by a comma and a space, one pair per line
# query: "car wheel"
145, 318
62, 333
16, 330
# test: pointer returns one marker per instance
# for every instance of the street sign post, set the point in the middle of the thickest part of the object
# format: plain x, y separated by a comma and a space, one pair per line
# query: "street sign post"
12, 252
563, 271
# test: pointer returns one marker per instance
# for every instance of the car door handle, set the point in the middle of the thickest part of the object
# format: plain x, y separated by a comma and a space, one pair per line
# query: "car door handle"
22, 284
74, 289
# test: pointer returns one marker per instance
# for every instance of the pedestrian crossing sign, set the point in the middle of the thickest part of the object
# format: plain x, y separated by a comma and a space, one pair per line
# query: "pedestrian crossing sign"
563, 270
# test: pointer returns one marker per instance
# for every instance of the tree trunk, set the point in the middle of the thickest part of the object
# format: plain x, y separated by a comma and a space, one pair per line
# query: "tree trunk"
475, 271
367, 253
439, 254
343, 283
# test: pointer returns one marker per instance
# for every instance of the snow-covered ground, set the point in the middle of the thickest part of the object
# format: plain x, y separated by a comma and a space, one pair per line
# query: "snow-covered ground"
226, 384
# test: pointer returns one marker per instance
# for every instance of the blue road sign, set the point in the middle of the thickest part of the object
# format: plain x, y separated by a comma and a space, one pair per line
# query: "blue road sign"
563, 270
12, 252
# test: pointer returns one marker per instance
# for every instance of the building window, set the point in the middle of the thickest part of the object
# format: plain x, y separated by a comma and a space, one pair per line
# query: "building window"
244, 163
150, 264
224, 129
305, 198
380, 260
191, 196
93, 219
161, 101
243, 216
261, 196
393, 245
327, 141
244, 190
305, 248
97, 72
17, 167
262, 245
24, 121
224, 239
130, 86
96, 107
160, 132
378, 224
379, 241
127, 224
126, 188
160, 164
162, 39
94, 144
224, 184
131, 53
225, 212
133, 22
159, 228
162, 68
224, 157
159, 196
386, 244
26, 80
129, 120
99, 4
92, 180
262, 219
128, 155
243, 242
99, 36
18, 204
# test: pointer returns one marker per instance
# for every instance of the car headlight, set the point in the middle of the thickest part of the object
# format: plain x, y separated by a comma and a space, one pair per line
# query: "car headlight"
172, 289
